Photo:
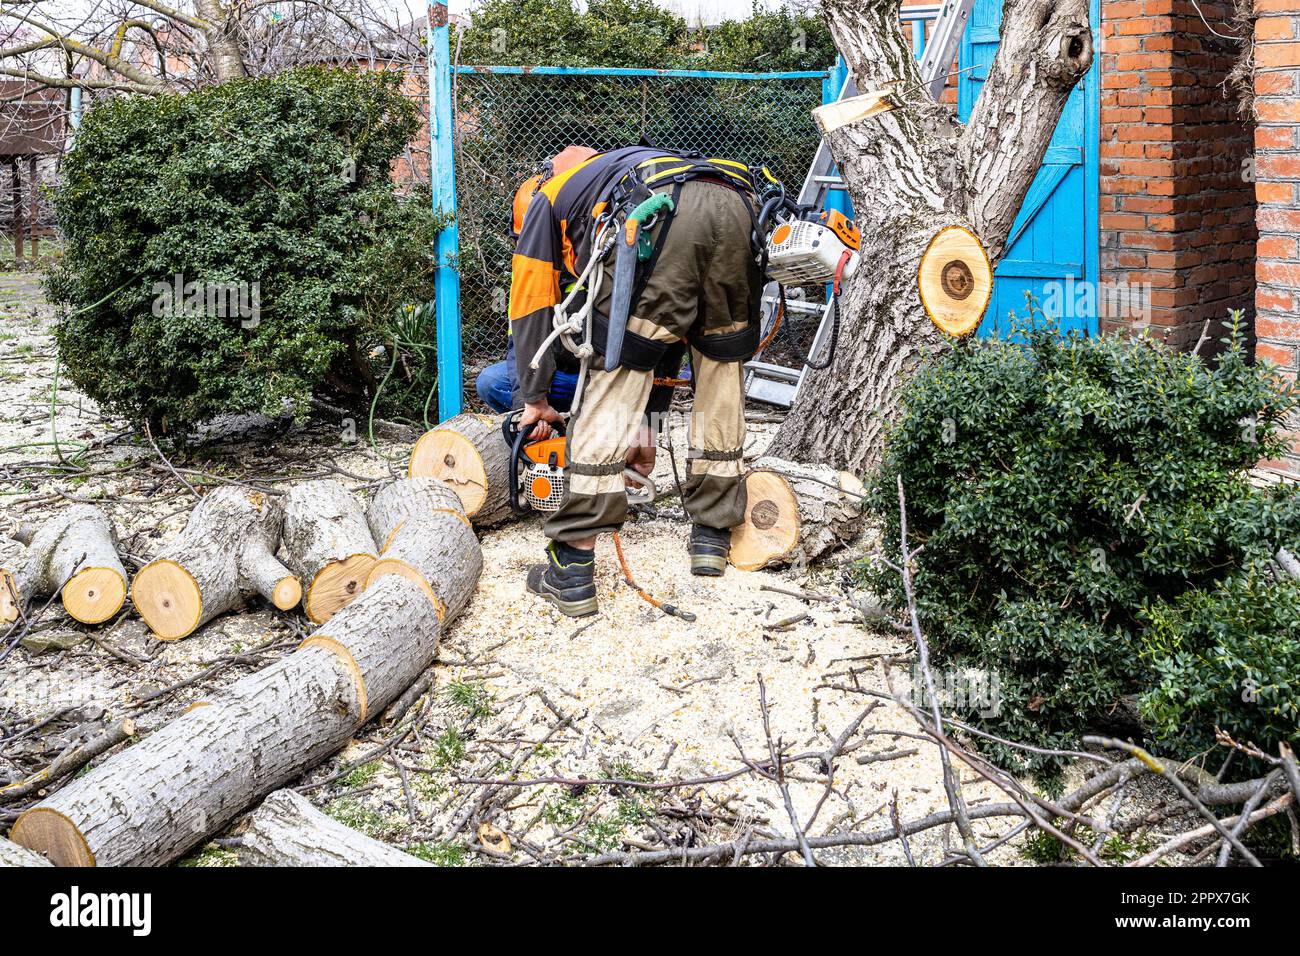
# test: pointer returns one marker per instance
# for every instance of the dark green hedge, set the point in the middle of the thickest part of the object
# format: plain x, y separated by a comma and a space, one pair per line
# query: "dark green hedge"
281, 184
1091, 536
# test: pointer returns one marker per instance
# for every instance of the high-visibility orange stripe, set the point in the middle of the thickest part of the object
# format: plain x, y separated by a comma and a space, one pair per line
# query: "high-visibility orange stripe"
534, 284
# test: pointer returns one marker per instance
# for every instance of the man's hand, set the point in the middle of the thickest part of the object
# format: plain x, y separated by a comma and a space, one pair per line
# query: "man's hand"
542, 414
641, 456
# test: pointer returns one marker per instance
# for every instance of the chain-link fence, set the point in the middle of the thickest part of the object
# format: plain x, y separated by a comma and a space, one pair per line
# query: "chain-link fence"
508, 123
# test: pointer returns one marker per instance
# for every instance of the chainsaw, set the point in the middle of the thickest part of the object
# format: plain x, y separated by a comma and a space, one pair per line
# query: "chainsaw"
537, 479
813, 246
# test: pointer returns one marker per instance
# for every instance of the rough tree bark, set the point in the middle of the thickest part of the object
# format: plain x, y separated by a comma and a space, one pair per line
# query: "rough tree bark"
328, 544
150, 803
219, 29
226, 551
912, 171
426, 542
11, 854
75, 551
286, 830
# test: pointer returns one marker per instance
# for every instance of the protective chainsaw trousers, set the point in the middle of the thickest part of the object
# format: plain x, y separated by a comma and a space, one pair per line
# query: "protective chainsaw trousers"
705, 283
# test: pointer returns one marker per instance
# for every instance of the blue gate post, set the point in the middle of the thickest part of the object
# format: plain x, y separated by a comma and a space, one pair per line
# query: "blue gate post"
442, 170
836, 199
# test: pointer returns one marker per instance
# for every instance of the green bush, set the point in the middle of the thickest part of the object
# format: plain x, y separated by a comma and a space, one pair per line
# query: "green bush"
277, 186
1062, 489
1228, 658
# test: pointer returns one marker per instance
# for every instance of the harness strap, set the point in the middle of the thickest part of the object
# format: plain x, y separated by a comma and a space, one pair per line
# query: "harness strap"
596, 471
738, 346
704, 454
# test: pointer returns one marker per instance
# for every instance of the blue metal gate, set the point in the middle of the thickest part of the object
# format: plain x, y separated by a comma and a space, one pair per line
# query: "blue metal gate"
1055, 237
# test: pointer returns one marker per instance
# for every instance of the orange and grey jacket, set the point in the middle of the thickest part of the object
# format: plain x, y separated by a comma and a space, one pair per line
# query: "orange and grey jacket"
554, 247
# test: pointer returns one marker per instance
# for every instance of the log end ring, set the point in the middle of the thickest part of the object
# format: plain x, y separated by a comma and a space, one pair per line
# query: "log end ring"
168, 598
50, 833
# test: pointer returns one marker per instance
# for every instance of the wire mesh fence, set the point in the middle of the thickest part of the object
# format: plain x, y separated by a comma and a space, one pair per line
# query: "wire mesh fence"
508, 123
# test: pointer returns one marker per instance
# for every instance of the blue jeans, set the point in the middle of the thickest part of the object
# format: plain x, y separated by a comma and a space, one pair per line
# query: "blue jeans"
497, 384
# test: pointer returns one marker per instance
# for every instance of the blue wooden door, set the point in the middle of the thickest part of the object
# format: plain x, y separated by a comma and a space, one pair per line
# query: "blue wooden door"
1054, 239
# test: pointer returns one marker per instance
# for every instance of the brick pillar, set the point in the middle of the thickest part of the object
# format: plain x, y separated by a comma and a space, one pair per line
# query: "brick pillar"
1277, 170
1177, 213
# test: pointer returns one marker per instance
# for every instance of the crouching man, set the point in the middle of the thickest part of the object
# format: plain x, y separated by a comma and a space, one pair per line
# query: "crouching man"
697, 292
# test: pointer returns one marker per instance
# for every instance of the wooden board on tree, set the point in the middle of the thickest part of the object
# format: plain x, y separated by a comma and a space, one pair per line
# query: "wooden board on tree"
795, 514
74, 553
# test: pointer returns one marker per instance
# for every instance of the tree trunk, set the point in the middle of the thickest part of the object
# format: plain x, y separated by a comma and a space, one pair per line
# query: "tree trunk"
397, 501
152, 802
328, 544
796, 514
286, 830
426, 542
912, 171
469, 454
75, 551
227, 551
227, 60
11, 854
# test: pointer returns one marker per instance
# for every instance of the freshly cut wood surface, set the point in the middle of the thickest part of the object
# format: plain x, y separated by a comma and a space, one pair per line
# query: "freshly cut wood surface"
471, 456
795, 514
329, 545
955, 281
74, 552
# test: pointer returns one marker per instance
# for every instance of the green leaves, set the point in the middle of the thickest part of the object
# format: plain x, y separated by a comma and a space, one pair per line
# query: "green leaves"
1066, 490
278, 187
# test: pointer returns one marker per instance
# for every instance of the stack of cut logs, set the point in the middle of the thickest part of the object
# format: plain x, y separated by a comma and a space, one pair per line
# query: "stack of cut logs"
381, 581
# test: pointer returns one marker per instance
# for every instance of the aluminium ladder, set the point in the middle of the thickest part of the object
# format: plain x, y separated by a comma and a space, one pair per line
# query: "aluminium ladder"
777, 384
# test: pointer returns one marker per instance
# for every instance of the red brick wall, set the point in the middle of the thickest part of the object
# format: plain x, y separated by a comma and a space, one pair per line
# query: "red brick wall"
1177, 213
1277, 168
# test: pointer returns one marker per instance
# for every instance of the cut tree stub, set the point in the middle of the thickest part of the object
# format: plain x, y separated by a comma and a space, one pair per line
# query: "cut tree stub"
795, 514
225, 552
470, 455
76, 549
328, 544
955, 281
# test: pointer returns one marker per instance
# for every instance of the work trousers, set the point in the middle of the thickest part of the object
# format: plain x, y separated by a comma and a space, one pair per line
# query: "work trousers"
705, 282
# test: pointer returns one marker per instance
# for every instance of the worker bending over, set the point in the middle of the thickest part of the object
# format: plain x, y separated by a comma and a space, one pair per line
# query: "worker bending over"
697, 292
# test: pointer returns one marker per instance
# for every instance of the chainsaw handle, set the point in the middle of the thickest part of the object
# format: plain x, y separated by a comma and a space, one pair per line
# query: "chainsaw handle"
517, 438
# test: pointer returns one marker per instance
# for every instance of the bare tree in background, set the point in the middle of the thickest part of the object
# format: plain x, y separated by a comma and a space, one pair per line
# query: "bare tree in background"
49, 48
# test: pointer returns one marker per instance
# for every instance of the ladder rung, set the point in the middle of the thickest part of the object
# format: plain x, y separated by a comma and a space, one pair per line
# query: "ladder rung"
777, 372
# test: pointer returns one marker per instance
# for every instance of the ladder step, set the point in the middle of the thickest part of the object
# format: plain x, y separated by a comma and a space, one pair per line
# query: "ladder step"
776, 372
774, 393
